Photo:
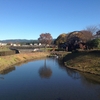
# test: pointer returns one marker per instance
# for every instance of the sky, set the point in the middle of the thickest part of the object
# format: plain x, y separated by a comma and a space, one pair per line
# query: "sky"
27, 19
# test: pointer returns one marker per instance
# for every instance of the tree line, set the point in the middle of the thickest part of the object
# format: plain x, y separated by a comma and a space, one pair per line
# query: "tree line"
84, 39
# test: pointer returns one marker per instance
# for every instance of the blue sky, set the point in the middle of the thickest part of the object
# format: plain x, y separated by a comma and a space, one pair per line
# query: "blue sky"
27, 19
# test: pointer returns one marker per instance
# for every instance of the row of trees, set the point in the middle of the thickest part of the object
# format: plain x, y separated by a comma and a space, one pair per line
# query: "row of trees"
73, 40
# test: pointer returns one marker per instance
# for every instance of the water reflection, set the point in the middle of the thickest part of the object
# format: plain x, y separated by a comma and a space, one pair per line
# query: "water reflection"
6, 71
90, 78
58, 83
12, 68
45, 71
1, 77
85, 77
72, 73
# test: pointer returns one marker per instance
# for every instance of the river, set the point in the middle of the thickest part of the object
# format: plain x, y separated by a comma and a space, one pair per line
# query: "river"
47, 79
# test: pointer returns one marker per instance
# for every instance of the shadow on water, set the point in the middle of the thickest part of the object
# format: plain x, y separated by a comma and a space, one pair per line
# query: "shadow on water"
45, 71
74, 74
6, 71
90, 78
9, 69
12, 68
85, 77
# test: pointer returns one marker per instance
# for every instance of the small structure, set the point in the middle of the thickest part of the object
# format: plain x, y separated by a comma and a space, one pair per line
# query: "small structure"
31, 44
14, 44
39, 44
3, 44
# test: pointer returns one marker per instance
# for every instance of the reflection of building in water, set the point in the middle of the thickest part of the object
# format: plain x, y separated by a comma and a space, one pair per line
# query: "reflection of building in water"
45, 71
6, 71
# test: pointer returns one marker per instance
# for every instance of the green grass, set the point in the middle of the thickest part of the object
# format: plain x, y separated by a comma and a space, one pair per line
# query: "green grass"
4, 48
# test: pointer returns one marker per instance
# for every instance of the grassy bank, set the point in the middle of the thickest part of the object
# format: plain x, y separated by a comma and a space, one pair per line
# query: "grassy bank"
8, 61
86, 61
4, 48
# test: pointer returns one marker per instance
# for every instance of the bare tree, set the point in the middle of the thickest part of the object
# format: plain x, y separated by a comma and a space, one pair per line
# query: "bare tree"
98, 32
87, 35
93, 29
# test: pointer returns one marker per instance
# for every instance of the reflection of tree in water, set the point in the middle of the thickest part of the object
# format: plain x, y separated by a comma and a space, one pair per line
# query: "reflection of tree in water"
45, 72
86, 78
72, 73
90, 79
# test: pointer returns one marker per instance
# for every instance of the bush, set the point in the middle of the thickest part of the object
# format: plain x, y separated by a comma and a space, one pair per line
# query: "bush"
95, 43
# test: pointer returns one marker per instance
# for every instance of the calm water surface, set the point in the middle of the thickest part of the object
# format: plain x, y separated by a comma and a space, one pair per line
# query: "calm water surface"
47, 79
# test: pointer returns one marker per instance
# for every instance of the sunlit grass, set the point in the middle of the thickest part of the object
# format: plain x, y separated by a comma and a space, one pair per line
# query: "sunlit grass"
84, 61
4, 48
7, 61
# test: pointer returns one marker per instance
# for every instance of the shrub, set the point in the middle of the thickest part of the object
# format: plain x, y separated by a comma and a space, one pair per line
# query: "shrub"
95, 43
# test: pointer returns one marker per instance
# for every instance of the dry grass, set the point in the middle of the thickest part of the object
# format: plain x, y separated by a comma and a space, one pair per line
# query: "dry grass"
84, 61
8, 61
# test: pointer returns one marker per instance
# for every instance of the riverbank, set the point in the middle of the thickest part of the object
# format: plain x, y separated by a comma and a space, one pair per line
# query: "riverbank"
86, 61
7, 62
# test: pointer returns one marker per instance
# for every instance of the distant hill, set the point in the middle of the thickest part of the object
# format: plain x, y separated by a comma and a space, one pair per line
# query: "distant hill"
22, 41
18, 41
